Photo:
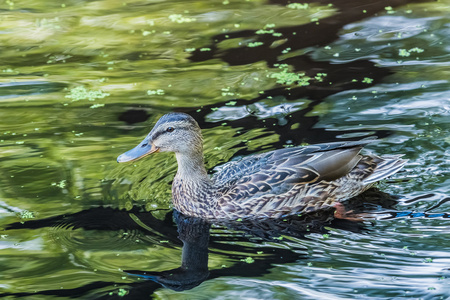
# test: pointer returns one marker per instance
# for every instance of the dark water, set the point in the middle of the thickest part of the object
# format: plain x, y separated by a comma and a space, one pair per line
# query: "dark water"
83, 81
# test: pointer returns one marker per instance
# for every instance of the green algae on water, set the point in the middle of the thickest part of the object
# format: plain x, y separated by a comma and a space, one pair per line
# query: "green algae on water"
248, 260
81, 93
298, 5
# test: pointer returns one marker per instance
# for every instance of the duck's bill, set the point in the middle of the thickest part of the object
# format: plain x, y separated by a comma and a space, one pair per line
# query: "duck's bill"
137, 152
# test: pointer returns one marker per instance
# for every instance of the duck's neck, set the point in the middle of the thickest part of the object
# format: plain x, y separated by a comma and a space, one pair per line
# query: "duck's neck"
191, 172
192, 188
191, 168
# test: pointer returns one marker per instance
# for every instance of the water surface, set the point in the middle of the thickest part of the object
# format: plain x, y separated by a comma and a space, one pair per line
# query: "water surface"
83, 81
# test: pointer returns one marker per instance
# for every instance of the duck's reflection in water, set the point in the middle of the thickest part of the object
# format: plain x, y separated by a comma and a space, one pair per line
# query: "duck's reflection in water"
194, 233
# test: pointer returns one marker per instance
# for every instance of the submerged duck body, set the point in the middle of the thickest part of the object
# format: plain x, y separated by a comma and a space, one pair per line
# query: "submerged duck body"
267, 185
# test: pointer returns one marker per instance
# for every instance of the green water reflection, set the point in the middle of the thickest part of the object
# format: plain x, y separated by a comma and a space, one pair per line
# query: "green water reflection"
83, 81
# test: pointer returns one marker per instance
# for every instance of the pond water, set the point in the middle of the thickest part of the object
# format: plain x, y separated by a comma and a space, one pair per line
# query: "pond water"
83, 81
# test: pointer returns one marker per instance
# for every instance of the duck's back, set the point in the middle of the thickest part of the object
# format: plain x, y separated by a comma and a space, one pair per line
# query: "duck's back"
287, 163
292, 178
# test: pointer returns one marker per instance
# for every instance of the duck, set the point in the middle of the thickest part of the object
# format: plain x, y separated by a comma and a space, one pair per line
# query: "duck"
274, 184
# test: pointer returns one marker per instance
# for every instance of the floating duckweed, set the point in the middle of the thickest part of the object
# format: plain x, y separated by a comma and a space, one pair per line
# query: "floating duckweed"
122, 292
428, 260
62, 184
254, 44
403, 53
189, 49
259, 252
298, 5
367, 80
325, 236
205, 49
319, 76
248, 260
231, 103
155, 92
389, 9
226, 92
264, 31
96, 105
286, 77
267, 31
146, 32
406, 53
178, 18
81, 93
25, 214
416, 49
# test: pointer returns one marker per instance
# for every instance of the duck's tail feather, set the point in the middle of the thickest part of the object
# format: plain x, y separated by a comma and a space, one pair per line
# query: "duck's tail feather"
388, 165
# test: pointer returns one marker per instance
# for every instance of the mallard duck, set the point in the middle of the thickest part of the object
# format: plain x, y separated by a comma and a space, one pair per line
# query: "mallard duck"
268, 185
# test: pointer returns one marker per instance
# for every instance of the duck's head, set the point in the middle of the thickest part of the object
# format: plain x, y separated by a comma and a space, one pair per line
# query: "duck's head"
174, 132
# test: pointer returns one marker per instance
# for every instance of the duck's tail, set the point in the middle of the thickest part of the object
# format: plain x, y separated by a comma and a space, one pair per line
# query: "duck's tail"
386, 166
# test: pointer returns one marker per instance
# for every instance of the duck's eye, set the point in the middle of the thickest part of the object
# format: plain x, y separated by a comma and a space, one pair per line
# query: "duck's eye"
144, 145
170, 129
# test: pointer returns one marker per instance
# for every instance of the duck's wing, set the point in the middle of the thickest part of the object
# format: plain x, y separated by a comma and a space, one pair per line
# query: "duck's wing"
275, 172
